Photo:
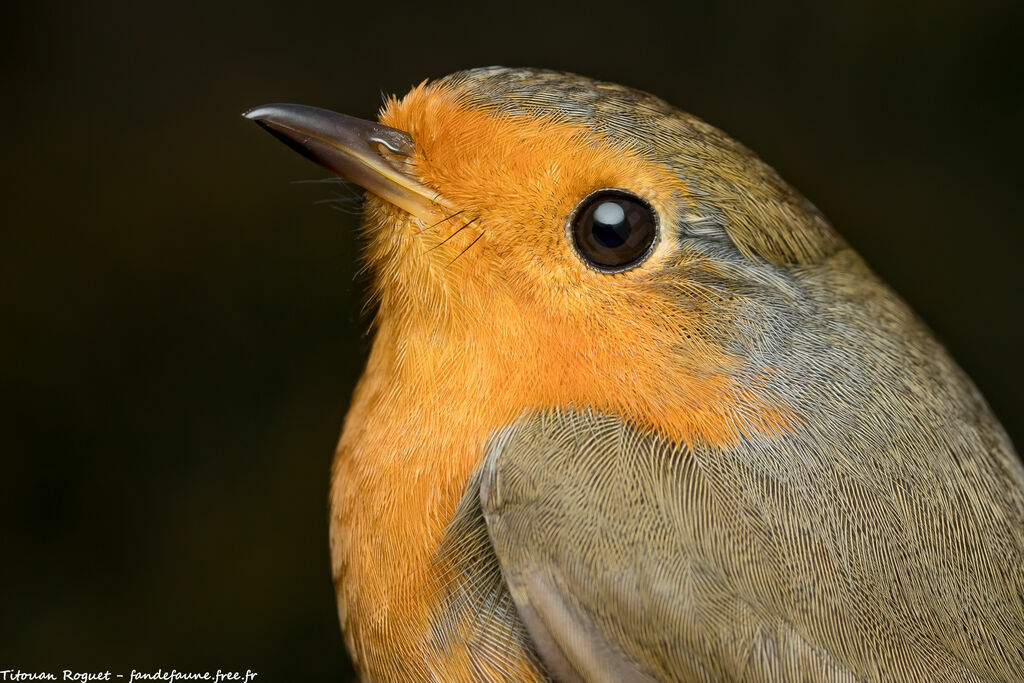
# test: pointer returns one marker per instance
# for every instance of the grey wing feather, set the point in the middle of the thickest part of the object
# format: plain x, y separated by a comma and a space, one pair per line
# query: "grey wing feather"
477, 615
632, 558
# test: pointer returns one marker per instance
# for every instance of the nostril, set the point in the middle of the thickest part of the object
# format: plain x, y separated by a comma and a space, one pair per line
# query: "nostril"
396, 150
393, 141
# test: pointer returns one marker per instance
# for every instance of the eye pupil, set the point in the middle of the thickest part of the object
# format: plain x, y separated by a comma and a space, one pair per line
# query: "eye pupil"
613, 230
610, 225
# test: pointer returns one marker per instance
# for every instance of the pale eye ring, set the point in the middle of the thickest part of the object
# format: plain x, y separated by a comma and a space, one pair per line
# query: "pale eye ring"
613, 230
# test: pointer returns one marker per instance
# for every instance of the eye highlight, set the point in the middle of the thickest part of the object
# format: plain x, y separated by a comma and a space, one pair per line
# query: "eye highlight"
613, 230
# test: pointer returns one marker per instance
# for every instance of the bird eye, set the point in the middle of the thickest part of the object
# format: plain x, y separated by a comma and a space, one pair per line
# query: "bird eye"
613, 230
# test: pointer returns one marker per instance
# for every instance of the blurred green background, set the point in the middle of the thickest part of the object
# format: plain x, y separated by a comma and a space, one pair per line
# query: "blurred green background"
182, 324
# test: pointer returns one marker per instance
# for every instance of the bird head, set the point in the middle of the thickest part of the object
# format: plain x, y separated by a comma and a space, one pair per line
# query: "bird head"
573, 242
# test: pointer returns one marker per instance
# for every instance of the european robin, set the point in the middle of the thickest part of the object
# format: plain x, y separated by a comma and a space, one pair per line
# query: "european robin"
634, 411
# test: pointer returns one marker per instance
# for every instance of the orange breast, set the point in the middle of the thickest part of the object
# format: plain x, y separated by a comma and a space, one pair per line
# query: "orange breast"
418, 426
404, 457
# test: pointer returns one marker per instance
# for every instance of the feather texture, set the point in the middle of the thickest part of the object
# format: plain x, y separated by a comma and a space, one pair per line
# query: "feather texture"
689, 565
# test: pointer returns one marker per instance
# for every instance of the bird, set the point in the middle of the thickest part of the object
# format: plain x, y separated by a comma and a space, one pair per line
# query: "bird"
635, 411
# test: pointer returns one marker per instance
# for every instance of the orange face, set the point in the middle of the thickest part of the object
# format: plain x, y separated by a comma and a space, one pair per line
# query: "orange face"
495, 284
513, 182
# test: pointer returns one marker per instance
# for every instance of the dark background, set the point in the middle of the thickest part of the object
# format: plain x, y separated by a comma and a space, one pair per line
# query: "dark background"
182, 326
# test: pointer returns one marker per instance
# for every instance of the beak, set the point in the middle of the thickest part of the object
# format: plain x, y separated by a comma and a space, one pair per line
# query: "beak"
367, 153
